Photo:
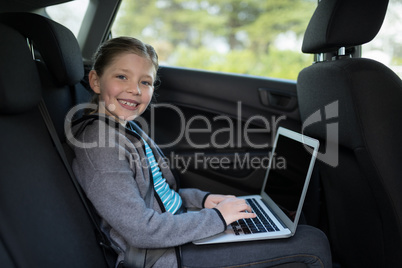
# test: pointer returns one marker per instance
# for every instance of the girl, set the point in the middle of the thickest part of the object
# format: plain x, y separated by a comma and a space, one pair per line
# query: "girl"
125, 177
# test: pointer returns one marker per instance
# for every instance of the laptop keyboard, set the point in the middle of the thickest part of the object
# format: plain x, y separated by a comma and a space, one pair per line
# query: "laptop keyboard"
261, 224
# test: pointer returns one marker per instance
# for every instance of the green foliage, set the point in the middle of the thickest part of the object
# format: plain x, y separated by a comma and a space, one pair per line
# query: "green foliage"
284, 64
235, 36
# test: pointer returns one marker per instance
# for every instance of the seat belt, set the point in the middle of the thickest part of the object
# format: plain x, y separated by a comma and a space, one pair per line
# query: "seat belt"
134, 257
139, 257
107, 248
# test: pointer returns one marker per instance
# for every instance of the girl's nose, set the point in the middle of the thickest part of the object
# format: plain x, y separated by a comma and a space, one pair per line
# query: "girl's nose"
134, 89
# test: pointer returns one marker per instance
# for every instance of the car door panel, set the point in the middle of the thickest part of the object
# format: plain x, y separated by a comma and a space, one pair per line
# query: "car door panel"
217, 129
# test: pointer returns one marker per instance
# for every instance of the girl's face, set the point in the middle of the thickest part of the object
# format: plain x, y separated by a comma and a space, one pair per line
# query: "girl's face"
125, 87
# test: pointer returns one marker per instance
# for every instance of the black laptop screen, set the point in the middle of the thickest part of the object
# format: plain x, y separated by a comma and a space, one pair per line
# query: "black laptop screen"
288, 173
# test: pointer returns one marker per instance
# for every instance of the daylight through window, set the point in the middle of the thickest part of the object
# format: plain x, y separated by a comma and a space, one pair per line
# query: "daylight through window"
248, 37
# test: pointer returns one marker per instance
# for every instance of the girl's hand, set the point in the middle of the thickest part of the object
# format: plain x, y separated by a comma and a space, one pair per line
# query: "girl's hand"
233, 209
214, 199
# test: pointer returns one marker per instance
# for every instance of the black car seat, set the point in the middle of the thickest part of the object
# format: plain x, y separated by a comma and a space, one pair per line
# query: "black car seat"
59, 61
354, 106
44, 222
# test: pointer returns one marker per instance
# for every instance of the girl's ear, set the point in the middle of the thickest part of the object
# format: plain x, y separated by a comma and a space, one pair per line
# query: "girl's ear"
94, 81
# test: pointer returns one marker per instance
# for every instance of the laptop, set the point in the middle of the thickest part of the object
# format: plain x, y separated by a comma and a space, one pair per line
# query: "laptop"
282, 195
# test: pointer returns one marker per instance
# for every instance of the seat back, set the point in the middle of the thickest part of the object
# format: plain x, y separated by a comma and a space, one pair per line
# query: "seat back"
59, 62
43, 220
358, 104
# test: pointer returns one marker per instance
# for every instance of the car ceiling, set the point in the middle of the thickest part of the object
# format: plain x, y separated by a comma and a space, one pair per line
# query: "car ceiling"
27, 5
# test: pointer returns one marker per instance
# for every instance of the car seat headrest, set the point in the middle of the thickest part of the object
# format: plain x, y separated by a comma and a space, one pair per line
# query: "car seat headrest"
20, 86
56, 44
343, 23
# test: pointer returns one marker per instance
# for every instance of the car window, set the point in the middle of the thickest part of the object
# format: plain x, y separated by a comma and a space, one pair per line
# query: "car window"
69, 14
386, 47
252, 37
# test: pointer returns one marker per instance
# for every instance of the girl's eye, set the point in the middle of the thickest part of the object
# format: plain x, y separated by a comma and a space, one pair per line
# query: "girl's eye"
146, 83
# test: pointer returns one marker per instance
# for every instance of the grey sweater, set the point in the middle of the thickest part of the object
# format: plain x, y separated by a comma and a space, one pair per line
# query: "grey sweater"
112, 169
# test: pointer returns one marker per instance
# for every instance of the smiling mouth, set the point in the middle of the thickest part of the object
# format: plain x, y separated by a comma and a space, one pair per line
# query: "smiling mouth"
128, 103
